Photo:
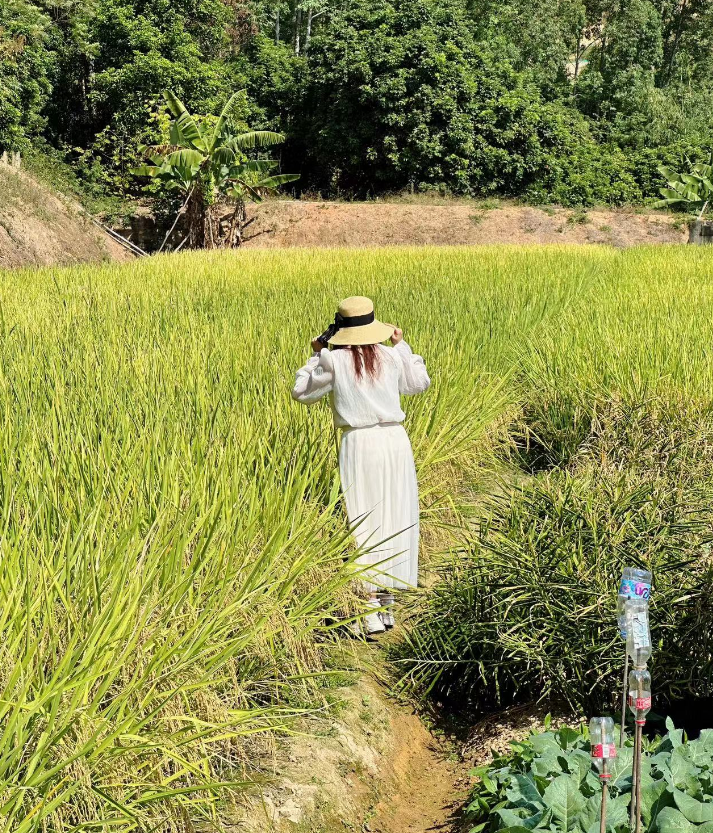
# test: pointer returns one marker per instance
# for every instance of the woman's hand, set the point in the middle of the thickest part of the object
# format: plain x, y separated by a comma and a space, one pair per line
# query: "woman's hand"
316, 345
397, 336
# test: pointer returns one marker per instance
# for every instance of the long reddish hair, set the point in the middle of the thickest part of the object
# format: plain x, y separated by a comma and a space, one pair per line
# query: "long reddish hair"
366, 359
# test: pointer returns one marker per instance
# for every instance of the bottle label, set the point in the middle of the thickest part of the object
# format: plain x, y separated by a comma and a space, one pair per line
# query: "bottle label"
633, 589
640, 630
639, 703
603, 750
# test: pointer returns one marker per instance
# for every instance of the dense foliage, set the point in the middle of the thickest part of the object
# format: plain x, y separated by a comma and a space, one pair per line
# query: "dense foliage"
576, 102
605, 462
548, 782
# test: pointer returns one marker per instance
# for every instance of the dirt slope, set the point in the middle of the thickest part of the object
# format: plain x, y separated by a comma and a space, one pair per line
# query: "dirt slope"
39, 228
284, 224
373, 766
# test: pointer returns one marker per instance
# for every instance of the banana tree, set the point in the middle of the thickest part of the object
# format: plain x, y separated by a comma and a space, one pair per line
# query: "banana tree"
250, 181
207, 165
693, 190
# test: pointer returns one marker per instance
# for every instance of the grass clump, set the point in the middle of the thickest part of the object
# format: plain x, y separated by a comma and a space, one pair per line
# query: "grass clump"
608, 465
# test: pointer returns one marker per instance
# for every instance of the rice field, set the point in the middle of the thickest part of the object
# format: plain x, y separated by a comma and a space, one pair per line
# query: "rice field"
174, 557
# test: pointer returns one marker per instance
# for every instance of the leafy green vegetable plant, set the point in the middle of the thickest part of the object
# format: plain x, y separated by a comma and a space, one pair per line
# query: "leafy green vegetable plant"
547, 782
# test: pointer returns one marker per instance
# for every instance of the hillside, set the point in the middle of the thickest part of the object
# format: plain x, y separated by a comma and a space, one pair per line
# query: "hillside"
38, 227
284, 224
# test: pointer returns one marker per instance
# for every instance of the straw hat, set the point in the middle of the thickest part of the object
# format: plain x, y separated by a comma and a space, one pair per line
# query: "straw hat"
356, 324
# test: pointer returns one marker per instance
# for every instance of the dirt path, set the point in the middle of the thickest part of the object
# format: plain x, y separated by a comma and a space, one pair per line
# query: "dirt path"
373, 766
369, 763
429, 785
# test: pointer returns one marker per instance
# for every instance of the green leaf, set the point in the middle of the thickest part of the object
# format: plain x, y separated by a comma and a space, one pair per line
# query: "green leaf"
565, 800
618, 811
185, 159
185, 132
257, 138
546, 743
579, 764
654, 797
514, 829
547, 765
700, 751
590, 812
145, 170
670, 820
509, 818
175, 105
523, 792
682, 773
224, 116
277, 180
694, 810
568, 737
620, 768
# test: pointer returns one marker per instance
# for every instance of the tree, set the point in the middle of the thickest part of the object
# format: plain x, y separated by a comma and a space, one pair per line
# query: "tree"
205, 163
694, 189
398, 94
26, 67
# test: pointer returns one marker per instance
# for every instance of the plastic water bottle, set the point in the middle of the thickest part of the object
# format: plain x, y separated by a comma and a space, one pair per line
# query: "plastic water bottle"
634, 584
601, 740
640, 694
638, 634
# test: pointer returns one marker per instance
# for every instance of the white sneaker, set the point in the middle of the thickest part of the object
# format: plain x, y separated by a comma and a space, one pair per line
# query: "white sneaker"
387, 617
387, 611
353, 628
372, 621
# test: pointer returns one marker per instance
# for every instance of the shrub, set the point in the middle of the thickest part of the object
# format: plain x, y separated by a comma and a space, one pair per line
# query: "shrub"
526, 608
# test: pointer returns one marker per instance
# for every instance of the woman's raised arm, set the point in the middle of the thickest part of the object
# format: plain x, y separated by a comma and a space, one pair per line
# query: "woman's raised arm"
315, 379
413, 376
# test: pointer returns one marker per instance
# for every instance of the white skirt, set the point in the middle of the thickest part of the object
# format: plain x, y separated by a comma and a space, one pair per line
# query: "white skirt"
381, 494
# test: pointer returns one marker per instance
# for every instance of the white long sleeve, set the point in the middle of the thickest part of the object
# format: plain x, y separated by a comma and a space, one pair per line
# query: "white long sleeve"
315, 379
413, 376
360, 401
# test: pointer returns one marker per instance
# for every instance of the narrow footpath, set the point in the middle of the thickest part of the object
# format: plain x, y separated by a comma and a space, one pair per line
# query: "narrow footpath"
373, 765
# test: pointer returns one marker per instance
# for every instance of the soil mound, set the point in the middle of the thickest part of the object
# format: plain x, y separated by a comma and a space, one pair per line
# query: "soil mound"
39, 227
285, 224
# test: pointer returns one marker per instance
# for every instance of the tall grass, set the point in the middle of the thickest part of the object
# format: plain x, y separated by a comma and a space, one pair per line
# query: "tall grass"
174, 554
609, 465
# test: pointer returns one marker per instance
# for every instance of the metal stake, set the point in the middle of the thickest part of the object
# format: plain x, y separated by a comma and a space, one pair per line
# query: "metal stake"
605, 790
639, 729
634, 780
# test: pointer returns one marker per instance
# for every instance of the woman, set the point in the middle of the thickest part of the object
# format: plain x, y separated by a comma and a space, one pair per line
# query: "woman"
364, 379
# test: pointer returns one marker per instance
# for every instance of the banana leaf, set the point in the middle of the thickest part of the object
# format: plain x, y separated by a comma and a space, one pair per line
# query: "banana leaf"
186, 133
223, 118
257, 138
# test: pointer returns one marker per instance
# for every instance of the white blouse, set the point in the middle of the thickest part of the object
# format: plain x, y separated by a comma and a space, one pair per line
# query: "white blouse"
360, 403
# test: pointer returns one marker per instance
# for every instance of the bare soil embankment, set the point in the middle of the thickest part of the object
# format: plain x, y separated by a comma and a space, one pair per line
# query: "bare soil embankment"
371, 764
285, 224
39, 227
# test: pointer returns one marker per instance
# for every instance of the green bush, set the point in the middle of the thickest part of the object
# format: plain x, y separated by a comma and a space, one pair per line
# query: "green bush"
548, 782
527, 607
399, 93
